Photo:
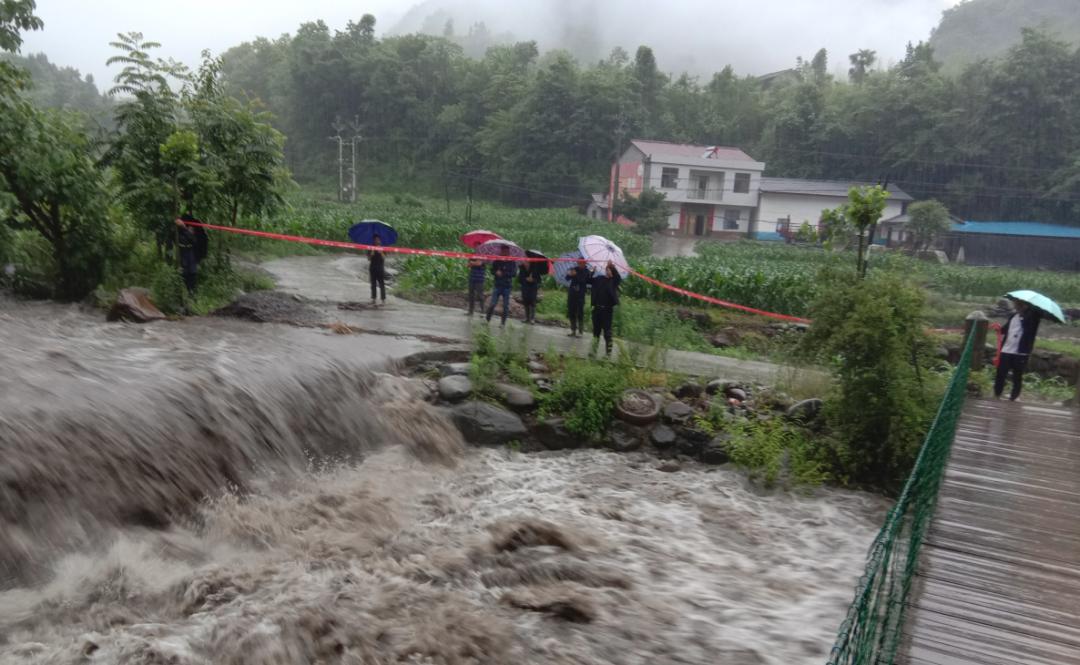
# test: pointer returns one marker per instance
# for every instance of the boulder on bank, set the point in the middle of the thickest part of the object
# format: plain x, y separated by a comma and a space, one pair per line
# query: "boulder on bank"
552, 433
662, 437
689, 391
516, 397
677, 412
485, 424
625, 438
455, 388
454, 369
271, 307
716, 451
720, 385
134, 305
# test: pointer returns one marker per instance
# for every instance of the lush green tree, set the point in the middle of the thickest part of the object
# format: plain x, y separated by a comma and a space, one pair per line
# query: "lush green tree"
48, 180
929, 219
648, 210
861, 62
863, 211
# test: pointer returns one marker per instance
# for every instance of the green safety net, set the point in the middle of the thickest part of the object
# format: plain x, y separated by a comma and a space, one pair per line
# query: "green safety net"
871, 633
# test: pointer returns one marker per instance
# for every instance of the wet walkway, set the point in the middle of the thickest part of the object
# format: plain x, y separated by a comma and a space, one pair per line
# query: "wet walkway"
999, 576
343, 278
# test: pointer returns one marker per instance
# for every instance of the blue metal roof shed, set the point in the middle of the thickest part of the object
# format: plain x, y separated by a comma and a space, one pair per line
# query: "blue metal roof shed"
1037, 229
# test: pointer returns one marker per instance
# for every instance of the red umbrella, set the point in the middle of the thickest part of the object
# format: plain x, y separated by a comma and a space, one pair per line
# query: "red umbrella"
474, 239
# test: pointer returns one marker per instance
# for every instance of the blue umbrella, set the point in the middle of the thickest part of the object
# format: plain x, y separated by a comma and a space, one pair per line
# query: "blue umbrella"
1036, 299
363, 233
562, 268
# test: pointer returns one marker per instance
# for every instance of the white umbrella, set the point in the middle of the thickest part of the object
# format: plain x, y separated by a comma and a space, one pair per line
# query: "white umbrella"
598, 251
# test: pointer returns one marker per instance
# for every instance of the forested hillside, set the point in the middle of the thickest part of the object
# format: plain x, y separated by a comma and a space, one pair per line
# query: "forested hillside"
978, 29
63, 88
998, 140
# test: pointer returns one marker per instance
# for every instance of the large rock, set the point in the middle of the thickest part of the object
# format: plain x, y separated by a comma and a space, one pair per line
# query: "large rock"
720, 385
516, 397
134, 305
537, 367
689, 391
722, 340
716, 451
806, 410
662, 437
455, 388
624, 437
454, 369
485, 424
677, 412
691, 441
552, 433
736, 393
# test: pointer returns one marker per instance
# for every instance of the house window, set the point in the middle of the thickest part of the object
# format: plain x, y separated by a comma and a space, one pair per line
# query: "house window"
669, 179
742, 183
731, 218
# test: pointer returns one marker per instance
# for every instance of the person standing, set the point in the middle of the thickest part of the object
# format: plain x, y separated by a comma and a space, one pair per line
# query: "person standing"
377, 270
605, 297
1019, 335
529, 279
503, 270
477, 275
579, 278
193, 245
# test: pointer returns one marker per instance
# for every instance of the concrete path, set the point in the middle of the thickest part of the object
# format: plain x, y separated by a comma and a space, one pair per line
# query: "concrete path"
334, 279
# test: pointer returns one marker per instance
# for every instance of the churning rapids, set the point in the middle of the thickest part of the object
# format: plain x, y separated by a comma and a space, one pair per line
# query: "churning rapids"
213, 491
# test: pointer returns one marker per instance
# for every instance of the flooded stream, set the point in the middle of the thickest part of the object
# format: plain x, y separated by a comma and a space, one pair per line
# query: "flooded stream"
214, 491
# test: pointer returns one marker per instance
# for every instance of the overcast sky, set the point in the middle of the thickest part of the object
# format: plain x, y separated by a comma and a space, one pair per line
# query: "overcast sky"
756, 37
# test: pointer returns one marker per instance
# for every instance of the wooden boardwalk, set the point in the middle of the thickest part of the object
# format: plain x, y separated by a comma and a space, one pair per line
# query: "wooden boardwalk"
999, 575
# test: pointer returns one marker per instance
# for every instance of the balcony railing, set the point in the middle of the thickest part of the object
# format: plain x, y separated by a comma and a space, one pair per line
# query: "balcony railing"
698, 194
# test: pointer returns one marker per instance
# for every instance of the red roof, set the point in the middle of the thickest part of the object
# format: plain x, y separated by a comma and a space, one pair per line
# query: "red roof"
663, 148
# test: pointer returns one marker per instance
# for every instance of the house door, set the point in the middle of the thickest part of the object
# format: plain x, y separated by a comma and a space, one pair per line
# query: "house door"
699, 225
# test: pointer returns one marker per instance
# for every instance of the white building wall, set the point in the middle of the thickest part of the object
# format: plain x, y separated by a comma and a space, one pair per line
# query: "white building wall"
685, 185
805, 208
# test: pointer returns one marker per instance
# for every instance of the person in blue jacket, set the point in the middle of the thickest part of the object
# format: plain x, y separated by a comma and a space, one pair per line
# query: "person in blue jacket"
503, 270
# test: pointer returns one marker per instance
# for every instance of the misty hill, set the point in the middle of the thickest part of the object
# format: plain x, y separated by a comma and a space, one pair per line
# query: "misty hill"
63, 88
978, 29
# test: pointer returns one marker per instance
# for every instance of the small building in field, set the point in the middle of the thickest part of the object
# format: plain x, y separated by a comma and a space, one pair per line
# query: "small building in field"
788, 203
597, 207
1016, 244
711, 191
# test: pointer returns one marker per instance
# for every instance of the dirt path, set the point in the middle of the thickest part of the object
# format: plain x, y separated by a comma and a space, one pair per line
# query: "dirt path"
330, 280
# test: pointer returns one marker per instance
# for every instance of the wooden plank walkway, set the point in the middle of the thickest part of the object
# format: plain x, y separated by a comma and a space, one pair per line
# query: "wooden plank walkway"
999, 574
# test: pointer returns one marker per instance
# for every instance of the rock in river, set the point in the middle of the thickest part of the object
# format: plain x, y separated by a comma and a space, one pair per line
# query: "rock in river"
516, 397
485, 424
455, 388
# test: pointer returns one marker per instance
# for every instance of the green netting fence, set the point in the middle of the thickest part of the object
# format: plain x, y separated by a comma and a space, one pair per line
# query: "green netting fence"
871, 633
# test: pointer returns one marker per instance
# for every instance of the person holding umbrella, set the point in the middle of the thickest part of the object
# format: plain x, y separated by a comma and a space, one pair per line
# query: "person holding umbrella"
579, 278
605, 297
503, 270
1018, 337
477, 275
377, 270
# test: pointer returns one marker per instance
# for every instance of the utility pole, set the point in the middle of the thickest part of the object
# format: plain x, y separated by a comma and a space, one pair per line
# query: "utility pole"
356, 139
620, 132
468, 202
338, 127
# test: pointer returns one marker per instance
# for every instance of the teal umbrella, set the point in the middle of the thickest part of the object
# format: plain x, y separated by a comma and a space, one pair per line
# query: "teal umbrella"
1036, 299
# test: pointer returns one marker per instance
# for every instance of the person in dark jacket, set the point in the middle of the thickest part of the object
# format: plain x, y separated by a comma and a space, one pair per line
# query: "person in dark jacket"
529, 280
605, 297
504, 280
193, 245
1019, 339
377, 270
579, 277
477, 275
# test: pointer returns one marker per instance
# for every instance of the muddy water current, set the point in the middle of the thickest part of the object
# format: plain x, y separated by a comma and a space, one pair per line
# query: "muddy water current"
214, 491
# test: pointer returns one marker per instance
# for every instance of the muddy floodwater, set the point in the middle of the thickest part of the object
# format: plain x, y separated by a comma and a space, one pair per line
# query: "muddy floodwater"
218, 491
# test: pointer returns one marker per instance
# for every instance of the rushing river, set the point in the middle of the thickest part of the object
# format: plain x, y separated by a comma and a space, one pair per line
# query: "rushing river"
214, 491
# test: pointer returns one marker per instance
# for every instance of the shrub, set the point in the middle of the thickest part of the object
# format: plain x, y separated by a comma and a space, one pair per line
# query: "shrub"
586, 395
872, 331
773, 452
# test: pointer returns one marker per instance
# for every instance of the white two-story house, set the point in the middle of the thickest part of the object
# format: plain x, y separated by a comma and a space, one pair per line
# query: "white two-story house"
711, 191
719, 192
